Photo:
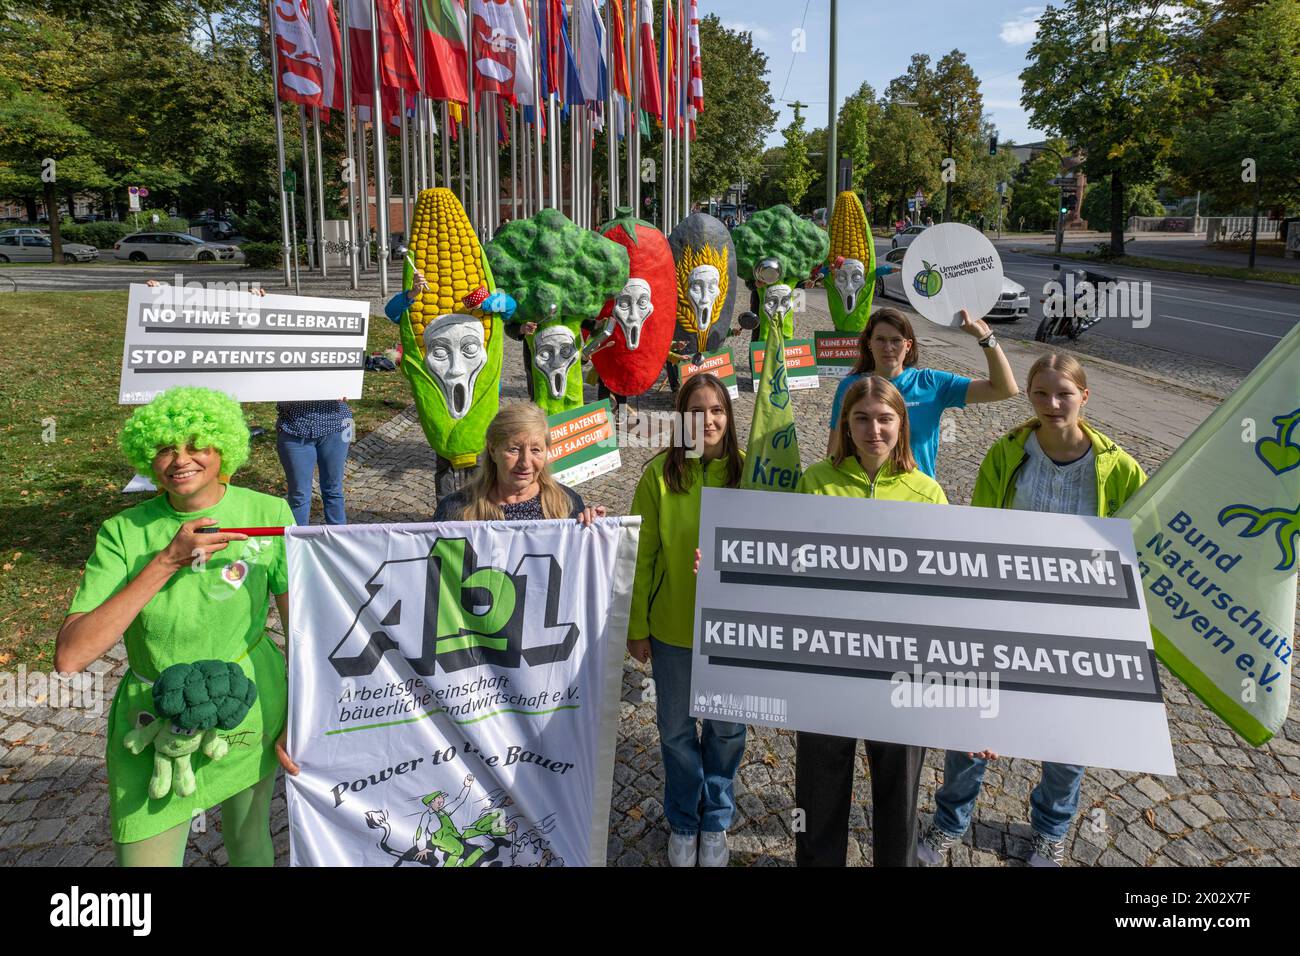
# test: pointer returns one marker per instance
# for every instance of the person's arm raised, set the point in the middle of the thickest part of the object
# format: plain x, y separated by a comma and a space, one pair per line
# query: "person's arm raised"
1001, 383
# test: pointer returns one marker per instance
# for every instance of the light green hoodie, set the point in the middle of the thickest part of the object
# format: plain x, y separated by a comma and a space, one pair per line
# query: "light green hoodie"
1118, 475
663, 595
850, 481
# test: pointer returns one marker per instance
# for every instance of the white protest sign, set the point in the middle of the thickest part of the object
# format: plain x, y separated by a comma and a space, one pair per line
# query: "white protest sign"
934, 625
950, 267
255, 348
454, 691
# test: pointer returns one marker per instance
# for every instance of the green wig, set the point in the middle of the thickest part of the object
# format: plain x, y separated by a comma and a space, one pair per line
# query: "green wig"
182, 416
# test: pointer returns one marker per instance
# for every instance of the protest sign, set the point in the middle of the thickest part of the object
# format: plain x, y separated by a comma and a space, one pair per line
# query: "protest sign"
582, 443
939, 626
719, 363
1216, 530
950, 267
836, 352
772, 459
455, 691
255, 348
800, 364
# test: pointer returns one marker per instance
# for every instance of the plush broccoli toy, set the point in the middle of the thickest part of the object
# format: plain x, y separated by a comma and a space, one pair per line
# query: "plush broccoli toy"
560, 275
192, 701
797, 245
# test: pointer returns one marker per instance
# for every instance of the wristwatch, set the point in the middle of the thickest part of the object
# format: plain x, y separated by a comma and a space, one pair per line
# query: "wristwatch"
989, 342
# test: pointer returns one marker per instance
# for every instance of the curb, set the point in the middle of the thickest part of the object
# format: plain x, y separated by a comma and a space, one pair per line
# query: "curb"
1191, 275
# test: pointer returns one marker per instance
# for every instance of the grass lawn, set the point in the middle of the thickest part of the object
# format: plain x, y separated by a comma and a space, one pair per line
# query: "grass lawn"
61, 473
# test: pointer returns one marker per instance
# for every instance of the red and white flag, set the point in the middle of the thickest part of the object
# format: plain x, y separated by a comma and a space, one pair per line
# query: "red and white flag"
300, 79
651, 97
360, 58
330, 45
696, 92
503, 60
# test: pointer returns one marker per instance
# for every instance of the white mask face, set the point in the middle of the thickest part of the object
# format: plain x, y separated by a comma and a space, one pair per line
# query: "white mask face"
554, 352
702, 287
777, 301
632, 307
850, 277
454, 353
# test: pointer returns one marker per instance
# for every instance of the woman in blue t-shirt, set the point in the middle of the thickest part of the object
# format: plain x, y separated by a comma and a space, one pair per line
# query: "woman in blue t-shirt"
888, 348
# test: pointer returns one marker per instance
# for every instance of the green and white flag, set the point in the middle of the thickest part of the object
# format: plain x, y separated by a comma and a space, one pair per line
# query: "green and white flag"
1216, 532
772, 459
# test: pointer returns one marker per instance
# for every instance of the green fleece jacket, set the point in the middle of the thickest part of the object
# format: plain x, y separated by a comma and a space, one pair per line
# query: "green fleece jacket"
1118, 475
850, 481
663, 595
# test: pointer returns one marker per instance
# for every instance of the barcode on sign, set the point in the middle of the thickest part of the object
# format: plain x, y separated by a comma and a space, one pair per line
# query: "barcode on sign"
773, 706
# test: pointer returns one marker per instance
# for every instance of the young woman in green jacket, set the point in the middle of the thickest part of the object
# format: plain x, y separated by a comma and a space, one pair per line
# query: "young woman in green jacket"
1055, 462
699, 768
871, 457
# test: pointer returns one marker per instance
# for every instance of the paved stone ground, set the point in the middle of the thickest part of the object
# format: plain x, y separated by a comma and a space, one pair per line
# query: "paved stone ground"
1229, 805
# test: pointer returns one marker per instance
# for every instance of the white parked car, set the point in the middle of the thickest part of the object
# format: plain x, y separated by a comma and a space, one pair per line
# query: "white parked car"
1011, 306
40, 249
24, 231
153, 246
901, 240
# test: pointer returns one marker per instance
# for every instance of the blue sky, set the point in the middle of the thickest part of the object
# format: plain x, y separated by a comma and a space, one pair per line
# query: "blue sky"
876, 41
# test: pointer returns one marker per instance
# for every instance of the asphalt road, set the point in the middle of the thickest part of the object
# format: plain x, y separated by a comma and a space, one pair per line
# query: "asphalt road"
112, 274
1228, 321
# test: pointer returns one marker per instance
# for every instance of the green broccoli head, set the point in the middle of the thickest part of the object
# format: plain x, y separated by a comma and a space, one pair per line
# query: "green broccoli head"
548, 261
204, 695
777, 233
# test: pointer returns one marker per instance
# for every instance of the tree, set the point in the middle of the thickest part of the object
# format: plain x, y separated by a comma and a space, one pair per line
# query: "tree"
1138, 201
738, 113
976, 193
1101, 75
903, 159
948, 96
1253, 112
796, 172
859, 123
1032, 199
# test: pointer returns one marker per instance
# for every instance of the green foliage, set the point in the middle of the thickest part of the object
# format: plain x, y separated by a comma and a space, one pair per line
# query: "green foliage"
777, 233
904, 155
546, 261
261, 222
796, 171
1138, 201
1031, 196
859, 123
264, 255
101, 235
738, 111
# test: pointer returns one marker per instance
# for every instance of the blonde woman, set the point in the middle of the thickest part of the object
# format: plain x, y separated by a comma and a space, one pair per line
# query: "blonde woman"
513, 482
1057, 463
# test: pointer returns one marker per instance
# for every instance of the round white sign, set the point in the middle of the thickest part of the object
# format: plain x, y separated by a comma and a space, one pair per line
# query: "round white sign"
950, 267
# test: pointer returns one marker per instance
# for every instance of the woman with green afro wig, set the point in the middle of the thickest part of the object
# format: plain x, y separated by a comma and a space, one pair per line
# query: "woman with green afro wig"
180, 597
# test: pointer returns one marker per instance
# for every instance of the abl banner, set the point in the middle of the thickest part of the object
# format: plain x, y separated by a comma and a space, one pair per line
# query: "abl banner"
454, 691
962, 628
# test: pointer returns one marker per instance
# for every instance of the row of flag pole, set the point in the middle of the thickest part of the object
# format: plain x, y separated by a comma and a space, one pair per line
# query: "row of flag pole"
481, 96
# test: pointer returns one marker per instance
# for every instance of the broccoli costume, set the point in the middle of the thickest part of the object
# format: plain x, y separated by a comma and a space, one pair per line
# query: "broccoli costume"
706, 282
851, 265
796, 244
451, 352
560, 275
191, 700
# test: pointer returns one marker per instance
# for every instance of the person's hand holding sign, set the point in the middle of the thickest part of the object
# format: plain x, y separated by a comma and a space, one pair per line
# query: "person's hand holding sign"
974, 327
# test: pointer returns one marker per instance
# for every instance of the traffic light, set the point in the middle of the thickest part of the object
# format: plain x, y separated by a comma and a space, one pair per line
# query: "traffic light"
993, 145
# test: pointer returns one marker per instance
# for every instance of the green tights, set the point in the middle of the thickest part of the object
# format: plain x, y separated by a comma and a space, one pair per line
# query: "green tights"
245, 829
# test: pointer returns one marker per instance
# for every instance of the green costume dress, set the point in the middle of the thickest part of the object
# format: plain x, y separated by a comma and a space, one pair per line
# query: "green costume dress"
216, 613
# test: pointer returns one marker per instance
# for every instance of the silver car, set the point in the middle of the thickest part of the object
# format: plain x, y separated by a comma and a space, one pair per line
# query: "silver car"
40, 249
901, 240
24, 231
154, 246
1012, 304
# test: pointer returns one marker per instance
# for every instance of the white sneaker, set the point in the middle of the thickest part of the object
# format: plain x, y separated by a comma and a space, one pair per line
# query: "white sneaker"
713, 849
681, 850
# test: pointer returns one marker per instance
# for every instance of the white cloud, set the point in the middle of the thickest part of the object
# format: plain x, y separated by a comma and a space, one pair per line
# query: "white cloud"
1022, 29
761, 34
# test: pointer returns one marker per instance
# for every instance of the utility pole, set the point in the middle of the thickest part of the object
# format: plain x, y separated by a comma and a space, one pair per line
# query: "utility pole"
832, 165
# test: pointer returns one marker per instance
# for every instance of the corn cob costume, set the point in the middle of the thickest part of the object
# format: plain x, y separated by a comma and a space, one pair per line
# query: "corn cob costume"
451, 352
851, 264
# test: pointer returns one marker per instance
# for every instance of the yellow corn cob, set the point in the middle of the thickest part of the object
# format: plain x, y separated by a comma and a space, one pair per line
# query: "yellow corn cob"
444, 247
849, 229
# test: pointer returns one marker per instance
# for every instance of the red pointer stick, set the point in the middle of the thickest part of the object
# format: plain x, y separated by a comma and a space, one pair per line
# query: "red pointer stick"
251, 532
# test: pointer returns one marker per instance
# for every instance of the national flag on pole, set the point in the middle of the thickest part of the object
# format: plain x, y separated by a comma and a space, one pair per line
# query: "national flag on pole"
651, 95
396, 57
1216, 531
445, 63
301, 79
673, 103
697, 68
772, 458
329, 44
592, 71
552, 74
572, 87
359, 55
622, 80
502, 49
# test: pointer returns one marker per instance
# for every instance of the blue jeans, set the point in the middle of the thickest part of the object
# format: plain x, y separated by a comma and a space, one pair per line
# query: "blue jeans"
1051, 805
300, 458
699, 769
